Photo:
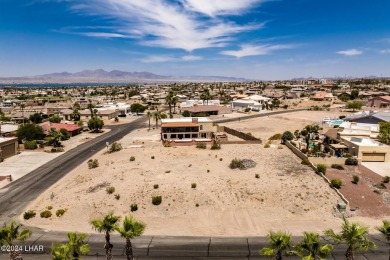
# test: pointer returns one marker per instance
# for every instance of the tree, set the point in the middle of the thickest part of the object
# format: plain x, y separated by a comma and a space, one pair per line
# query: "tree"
57, 136
55, 119
169, 101
354, 105
275, 102
278, 242
36, 118
206, 95
385, 230
186, 113
157, 116
60, 251
175, 100
137, 108
77, 245
95, 124
29, 132
76, 106
149, 115
10, 233
130, 229
287, 136
91, 106
75, 115
384, 133
311, 248
106, 225
354, 235
65, 134
354, 93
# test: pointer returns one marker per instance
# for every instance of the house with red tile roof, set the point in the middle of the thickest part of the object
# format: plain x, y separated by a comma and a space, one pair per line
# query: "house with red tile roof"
379, 102
323, 96
73, 129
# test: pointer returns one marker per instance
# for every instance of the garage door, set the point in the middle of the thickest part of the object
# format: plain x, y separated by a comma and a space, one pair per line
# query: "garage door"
373, 157
8, 150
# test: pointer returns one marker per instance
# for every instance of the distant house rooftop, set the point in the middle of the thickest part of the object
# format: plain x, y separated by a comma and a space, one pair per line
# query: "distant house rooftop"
363, 141
185, 119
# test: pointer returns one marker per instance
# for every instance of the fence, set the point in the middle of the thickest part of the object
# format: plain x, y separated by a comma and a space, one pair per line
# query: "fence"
241, 135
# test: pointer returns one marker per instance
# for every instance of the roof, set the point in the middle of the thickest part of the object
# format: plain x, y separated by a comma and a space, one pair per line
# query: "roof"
180, 124
322, 95
185, 119
57, 126
8, 128
66, 111
7, 139
332, 133
199, 109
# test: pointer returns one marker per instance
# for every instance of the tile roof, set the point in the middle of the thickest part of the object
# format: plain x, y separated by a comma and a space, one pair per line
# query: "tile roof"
57, 126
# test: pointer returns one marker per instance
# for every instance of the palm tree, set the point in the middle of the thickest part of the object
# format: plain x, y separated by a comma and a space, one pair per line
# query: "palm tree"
10, 233
354, 235
130, 229
60, 251
57, 136
175, 100
77, 244
149, 115
310, 248
385, 230
157, 116
278, 242
107, 225
168, 100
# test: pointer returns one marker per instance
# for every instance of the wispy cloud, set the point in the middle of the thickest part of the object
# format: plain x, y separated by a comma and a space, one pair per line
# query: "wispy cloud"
385, 51
168, 24
104, 35
350, 52
169, 58
191, 58
255, 50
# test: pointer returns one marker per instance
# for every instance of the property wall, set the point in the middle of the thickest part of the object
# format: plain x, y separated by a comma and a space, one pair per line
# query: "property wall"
238, 134
327, 161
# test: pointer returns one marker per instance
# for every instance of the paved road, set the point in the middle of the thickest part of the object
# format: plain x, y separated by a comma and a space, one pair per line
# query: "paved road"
18, 194
186, 248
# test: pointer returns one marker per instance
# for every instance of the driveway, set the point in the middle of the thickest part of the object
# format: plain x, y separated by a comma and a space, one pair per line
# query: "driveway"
381, 168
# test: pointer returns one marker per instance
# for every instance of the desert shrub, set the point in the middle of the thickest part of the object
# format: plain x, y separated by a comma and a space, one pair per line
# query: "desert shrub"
208, 170
287, 136
60, 212
342, 116
133, 207
115, 147
236, 164
267, 145
337, 166
197, 205
110, 190
247, 110
167, 144
156, 200
193, 185
152, 157
275, 137
355, 179
30, 145
220, 159
377, 191
155, 186
380, 185
49, 207
336, 183
29, 214
347, 155
305, 162
117, 196
321, 168
386, 179
351, 161
46, 214
216, 146
257, 176
201, 145
93, 163
132, 159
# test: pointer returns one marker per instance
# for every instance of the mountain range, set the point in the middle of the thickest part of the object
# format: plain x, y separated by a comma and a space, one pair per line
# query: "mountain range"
114, 76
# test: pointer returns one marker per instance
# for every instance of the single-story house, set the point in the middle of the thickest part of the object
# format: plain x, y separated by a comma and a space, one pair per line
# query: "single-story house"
322, 96
210, 110
366, 149
380, 102
73, 129
105, 114
369, 117
8, 147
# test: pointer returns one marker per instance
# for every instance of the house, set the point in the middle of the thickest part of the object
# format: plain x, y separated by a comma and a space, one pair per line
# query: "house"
366, 149
322, 96
187, 130
8, 129
8, 147
105, 114
73, 129
379, 102
209, 110
369, 117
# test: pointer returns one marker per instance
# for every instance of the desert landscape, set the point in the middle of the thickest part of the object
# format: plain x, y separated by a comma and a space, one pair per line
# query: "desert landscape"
278, 193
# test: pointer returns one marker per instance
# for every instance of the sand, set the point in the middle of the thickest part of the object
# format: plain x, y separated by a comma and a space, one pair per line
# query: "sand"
225, 202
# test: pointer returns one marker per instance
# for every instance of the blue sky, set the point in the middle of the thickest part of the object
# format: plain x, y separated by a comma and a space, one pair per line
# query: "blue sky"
256, 39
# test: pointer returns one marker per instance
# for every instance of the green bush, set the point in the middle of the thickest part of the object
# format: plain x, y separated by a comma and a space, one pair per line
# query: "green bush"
216, 146
321, 168
156, 200
275, 137
236, 164
49, 207
247, 110
133, 207
305, 162
386, 179
65, 134
132, 159
110, 190
337, 166
193, 185
30, 145
93, 163
115, 147
201, 145
347, 155
60, 212
355, 179
29, 214
117, 196
267, 145
351, 161
46, 214
287, 136
336, 183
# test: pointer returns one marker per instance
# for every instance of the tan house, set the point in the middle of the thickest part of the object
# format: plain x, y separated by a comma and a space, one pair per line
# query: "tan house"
323, 96
380, 102
105, 114
366, 149
8, 147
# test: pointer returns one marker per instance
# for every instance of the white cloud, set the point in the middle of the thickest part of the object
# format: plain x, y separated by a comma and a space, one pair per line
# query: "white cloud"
255, 50
351, 52
191, 58
385, 51
157, 59
104, 35
219, 7
167, 24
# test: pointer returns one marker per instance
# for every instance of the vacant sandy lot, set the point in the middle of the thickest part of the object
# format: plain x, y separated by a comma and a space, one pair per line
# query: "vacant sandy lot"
225, 202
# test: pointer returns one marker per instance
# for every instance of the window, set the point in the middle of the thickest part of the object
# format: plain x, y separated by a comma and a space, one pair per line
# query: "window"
187, 136
173, 135
201, 127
